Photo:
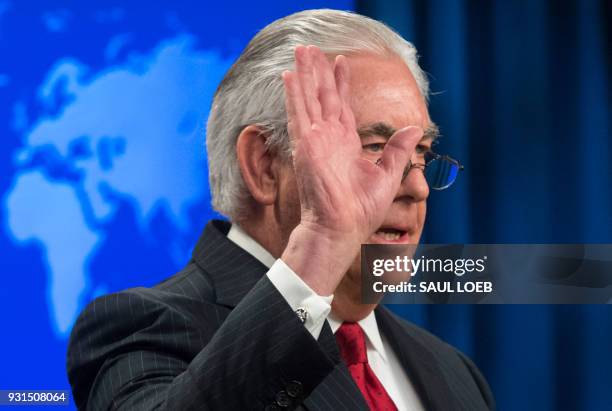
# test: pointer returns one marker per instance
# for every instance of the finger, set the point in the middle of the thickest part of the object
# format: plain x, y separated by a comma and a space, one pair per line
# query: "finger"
399, 149
342, 76
305, 70
328, 93
298, 123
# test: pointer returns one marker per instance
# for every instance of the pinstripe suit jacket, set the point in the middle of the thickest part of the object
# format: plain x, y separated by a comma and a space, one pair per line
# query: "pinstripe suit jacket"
219, 336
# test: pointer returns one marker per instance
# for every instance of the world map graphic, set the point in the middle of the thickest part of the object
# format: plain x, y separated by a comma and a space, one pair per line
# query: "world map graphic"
102, 144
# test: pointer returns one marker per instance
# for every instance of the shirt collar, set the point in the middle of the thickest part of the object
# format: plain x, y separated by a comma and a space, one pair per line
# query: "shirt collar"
370, 329
247, 243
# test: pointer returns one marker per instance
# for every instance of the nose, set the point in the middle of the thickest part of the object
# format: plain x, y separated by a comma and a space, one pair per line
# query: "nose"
414, 186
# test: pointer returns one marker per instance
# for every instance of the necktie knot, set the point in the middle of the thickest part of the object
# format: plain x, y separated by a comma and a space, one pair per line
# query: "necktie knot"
351, 342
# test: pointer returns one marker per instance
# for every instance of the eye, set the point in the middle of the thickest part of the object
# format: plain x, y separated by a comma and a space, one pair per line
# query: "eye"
374, 147
422, 148
373, 143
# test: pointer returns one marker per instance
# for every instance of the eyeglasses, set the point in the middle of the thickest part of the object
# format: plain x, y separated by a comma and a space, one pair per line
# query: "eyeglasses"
440, 171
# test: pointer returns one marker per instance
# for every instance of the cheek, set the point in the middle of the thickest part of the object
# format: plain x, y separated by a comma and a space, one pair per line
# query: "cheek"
421, 213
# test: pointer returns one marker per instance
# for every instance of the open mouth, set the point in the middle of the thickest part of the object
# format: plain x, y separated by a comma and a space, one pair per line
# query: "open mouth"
388, 234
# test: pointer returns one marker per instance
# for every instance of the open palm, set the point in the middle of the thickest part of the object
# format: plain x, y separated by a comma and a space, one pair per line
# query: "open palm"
340, 191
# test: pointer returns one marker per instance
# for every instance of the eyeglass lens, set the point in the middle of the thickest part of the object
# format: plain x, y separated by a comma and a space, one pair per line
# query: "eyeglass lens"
441, 173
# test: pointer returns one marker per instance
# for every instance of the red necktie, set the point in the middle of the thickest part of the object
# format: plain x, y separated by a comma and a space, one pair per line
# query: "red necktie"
351, 341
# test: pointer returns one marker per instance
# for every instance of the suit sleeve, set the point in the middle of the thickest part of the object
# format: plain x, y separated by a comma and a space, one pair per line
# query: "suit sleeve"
130, 351
480, 380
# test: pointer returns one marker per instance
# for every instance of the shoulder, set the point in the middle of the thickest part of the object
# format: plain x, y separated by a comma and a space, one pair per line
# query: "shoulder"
188, 293
185, 290
175, 319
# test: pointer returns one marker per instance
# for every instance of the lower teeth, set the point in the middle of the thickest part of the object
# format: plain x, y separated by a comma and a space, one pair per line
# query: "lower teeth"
389, 236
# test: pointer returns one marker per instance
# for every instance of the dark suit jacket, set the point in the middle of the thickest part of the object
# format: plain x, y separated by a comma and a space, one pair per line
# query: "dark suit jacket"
219, 336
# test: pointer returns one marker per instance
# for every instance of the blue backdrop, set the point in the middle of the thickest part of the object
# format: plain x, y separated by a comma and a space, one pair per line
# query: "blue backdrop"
103, 180
523, 98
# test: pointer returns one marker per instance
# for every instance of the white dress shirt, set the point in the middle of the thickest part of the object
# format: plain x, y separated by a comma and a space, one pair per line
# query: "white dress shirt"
381, 357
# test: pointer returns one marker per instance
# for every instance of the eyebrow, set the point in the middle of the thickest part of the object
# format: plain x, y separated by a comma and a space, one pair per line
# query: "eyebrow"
432, 132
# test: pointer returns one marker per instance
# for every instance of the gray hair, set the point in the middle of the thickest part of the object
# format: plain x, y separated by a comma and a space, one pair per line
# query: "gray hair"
252, 90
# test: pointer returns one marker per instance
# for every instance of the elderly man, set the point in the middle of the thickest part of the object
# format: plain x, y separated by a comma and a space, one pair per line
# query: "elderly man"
317, 142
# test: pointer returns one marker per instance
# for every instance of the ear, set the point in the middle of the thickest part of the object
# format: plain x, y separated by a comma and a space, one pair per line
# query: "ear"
256, 165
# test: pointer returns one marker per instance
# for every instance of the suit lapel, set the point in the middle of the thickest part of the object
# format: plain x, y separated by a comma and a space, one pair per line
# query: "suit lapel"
337, 391
232, 270
419, 363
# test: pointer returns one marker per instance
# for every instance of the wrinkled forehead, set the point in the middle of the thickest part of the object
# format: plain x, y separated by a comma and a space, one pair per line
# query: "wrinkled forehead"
385, 91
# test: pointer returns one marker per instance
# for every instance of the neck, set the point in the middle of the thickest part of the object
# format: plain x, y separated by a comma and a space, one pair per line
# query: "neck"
265, 231
347, 304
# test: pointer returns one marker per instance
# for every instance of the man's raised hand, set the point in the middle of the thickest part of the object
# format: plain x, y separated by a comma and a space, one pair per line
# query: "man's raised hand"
344, 197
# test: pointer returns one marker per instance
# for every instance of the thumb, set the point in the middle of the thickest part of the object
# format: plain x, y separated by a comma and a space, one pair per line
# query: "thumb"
399, 149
